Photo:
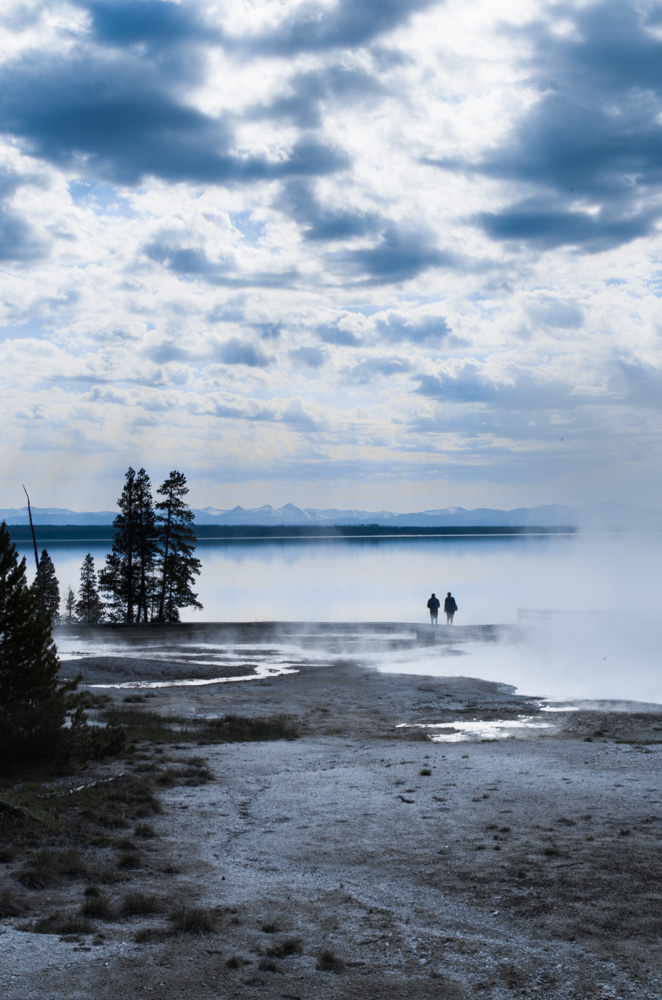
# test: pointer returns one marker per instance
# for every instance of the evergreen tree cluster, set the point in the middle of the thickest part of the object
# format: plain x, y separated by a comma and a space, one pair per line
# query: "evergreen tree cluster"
33, 705
149, 574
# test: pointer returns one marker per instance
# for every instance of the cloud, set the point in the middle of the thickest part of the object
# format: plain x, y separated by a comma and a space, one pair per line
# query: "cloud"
518, 390
311, 94
331, 334
347, 24
320, 223
193, 263
239, 352
370, 368
310, 357
556, 314
401, 254
588, 152
147, 22
119, 119
425, 330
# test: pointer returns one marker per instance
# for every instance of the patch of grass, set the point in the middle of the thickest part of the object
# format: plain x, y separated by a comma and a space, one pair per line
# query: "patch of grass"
193, 920
239, 729
55, 923
49, 867
328, 962
140, 725
270, 928
286, 948
150, 935
551, 851
425, 772
137, 904
10, 905
98, 907
268, 965
129, 860
235, 962
144, 831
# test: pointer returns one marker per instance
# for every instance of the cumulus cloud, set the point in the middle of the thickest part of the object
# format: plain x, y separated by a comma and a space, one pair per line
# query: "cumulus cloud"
311, 357
222, 218
377, 367
239, 352
400, 254
417, 330
320, 223
590, 147
316, 27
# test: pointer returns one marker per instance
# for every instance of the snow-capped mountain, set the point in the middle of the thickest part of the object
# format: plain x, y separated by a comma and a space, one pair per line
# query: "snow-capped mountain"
603, 516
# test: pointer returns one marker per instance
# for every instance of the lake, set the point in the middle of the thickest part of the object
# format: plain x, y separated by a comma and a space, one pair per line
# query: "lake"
605, 641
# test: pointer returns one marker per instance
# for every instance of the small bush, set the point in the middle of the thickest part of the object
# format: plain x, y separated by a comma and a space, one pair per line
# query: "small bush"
128, 859
10, 906
137, 904
267, 965
144, 831
290, 946
425, 772
270, 928
50, 867
192, 920
98, 907
54, 923
328, 962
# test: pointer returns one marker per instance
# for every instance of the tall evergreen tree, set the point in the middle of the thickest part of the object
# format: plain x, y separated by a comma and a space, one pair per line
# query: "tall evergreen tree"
128, 574
32, 705
89, 606
177, 564
49, 586
70, 606
146, 543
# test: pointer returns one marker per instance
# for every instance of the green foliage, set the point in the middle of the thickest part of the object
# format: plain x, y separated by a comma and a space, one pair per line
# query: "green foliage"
70, 606
33, 706
178, 566
49, 586
151, 568
89, 607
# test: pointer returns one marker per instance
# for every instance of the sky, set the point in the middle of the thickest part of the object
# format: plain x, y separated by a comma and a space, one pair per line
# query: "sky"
375, 254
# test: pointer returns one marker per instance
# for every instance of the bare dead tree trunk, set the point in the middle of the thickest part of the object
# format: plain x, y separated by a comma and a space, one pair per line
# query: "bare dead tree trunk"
36, 555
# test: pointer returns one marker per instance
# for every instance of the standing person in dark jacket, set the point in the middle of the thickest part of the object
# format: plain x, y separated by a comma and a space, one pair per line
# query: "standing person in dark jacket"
434, 604
450, 607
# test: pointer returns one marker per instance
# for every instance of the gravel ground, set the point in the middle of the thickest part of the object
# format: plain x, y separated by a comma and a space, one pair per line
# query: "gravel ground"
363, 858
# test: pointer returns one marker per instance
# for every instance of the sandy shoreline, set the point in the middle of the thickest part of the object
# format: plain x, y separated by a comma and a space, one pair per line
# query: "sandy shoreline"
525, 866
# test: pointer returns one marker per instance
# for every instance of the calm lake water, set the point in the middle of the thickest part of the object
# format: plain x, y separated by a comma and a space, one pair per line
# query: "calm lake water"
605, 643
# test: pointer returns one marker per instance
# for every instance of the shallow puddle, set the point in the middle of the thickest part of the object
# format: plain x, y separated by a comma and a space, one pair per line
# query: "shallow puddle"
496, 729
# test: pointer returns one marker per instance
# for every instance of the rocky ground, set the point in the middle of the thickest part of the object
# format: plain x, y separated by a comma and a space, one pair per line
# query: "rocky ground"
362, 857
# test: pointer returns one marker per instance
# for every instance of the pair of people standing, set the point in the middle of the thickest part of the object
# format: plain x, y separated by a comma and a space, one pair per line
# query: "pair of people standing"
450, 607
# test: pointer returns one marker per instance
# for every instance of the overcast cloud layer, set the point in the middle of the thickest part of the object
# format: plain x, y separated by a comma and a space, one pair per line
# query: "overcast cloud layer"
390, 254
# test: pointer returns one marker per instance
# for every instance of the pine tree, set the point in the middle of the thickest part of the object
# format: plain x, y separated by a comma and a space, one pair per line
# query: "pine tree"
128, 574
177, 564
49, 586
89, 606
70, 606
32, 705
146, 543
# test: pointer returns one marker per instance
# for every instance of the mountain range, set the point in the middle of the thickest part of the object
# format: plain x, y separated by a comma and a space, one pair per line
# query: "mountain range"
602, 516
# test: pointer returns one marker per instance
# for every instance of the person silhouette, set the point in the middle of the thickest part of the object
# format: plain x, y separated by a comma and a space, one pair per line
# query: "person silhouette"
434, 604
450, 607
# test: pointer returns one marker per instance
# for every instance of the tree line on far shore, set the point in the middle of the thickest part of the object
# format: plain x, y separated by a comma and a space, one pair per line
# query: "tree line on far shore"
150, 572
